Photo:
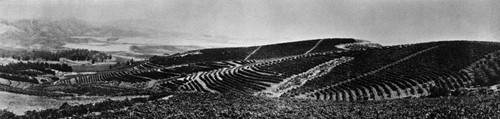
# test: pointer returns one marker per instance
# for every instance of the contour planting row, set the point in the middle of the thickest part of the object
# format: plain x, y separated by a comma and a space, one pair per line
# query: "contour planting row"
293, 65
406, 82
366, 77
148, 71
16, 84
301, 47
296, 81
146, 65
204, 66
240, 80
485, 72
205, 55
364, 61
331, 44
255, 52
19, 78
253, 77
414, 76
124, 76
284, 49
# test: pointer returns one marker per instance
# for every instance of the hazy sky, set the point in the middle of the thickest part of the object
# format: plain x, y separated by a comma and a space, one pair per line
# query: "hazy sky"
381, 21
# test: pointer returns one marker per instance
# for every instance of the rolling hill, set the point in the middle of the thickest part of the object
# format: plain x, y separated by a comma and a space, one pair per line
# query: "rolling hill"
323, 78
325, 69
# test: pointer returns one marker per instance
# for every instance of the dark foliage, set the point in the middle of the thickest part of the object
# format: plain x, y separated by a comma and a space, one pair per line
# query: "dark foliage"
34, 68
206, 55
22, 78
204, 105
5, 114
330, 44
73, 54
283, 49
97, 90
240, 53
401, 67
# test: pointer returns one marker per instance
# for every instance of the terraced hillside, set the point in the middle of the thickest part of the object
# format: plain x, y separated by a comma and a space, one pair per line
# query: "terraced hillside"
255, 52
406, 71
369, 74
209, 59
252, 77
147, 72
17, 81
325, 69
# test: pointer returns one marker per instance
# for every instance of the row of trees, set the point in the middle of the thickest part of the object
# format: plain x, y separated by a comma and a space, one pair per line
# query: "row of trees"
19, 78
73, 54
34, 68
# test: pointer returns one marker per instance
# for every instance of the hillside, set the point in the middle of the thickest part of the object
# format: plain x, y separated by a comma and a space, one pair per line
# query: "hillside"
255, 52
406, 71
211, 59
320, 69
331, 71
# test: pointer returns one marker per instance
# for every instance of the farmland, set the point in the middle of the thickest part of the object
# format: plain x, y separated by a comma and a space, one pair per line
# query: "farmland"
209, 105
332, 77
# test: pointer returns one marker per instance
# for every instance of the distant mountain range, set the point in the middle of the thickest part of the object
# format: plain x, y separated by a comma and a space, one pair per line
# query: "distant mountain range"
141, 36
34, 33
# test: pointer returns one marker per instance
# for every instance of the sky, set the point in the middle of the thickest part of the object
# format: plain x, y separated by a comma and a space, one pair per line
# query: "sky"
379, 21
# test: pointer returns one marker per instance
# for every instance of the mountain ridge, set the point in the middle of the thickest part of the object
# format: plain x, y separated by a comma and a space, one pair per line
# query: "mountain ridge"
54, 33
